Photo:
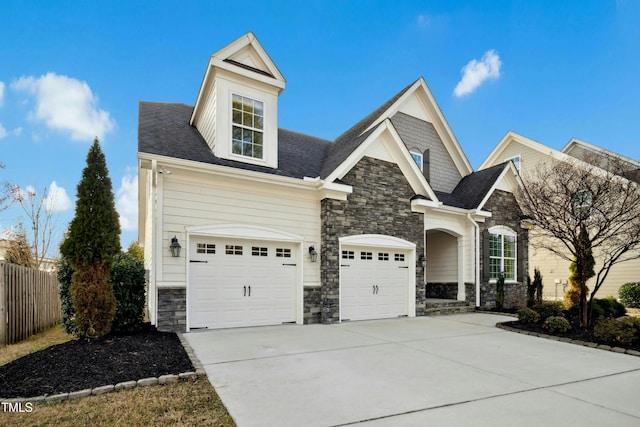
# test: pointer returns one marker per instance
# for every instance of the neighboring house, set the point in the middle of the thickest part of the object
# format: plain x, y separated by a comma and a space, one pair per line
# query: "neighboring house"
277, 226
527, 154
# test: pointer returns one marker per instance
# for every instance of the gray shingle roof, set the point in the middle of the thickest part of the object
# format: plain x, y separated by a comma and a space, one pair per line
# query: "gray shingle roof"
472, 188
164, 129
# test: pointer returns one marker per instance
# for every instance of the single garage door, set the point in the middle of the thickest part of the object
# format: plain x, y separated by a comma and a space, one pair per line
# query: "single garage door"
374, 282
235, 283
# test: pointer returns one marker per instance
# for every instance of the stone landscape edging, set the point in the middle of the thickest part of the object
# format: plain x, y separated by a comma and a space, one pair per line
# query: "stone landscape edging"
144, 382
589, 344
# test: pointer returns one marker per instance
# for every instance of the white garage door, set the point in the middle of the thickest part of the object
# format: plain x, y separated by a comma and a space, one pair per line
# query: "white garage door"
374, 283
236, 283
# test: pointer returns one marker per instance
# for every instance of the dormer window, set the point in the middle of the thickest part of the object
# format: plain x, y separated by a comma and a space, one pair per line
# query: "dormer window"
417, 157
248, 127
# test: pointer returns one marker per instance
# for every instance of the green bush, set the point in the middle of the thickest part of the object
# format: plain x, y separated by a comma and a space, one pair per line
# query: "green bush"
548, 309
630, 294
556, 325
607, 307
527, 315
93, 299
128, 281
625, 330
65, 274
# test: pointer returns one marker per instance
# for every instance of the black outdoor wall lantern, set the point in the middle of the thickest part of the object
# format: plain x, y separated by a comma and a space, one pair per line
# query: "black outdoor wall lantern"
313, 254
175, 247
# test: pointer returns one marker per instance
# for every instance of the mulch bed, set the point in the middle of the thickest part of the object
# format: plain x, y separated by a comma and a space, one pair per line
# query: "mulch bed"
576, 333
81, 364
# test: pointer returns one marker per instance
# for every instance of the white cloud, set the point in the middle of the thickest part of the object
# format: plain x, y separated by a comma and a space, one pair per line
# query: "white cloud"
66, 104
127, 202
3, 131
57, 199
1, 93
476, 72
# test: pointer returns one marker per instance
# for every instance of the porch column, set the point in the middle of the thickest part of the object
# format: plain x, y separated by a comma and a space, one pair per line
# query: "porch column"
461, 288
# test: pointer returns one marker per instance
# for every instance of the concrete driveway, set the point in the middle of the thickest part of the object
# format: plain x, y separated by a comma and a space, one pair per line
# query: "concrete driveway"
454, 370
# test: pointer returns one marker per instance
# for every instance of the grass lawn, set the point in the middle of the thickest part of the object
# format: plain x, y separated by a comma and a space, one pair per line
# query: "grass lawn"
183, 403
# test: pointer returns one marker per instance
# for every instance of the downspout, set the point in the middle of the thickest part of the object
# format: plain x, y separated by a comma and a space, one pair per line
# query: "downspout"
476, 257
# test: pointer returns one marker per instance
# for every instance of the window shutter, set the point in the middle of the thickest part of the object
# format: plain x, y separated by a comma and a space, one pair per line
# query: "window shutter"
520, 261
425, 165
486, 272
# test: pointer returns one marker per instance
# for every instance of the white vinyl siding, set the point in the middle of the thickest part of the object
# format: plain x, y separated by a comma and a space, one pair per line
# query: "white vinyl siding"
194, 203
442, 257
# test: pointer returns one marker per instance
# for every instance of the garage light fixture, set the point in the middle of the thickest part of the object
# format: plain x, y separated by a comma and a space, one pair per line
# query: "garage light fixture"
175, 247
422, 261
313, 254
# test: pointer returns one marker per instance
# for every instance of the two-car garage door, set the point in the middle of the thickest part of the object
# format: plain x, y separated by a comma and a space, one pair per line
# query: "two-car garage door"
241, 282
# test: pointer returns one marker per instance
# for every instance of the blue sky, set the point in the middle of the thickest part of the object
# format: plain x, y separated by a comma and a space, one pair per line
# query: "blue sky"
72, 70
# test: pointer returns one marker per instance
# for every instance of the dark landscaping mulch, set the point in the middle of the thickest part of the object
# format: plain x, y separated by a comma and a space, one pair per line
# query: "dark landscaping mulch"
577, 332
81, 364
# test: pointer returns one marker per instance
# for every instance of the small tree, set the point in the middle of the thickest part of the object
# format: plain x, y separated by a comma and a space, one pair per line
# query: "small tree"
537, 285
136, 251
576, 208
500, 292
92, 241
42, 220
531, 292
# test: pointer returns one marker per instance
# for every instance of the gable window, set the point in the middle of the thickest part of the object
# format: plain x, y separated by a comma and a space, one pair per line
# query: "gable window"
502, 253
247, 127
517, 162
417, 157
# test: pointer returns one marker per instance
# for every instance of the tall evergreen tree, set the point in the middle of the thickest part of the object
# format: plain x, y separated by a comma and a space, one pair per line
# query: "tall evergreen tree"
92, 242
94, 232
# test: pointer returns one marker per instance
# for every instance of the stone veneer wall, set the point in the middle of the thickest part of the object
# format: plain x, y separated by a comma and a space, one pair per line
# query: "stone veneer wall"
312, 304
172, 310
380, 204
505, 211
442, 290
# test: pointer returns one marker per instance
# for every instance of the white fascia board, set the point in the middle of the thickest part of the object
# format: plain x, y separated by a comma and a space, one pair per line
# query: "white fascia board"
400, 150
511, 137
509, 167
461, 161
189, 165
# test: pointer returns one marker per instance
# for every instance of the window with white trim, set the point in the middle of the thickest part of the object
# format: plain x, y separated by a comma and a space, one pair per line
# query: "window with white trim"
502, 253
417, 157
517, 161
247, 127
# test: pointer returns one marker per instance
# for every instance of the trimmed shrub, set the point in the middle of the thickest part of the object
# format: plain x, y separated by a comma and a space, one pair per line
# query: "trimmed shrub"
527, 315
65, 274
93, 299
531, 292
630, 294
128, 281
608, 307
625, 330
548, 309
556, 325
571, 297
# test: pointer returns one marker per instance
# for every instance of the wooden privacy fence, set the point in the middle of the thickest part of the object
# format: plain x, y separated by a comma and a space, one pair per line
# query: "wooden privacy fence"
29, 302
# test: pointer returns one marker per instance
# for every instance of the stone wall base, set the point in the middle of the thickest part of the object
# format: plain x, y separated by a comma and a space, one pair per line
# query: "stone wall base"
172, 310
312, 305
